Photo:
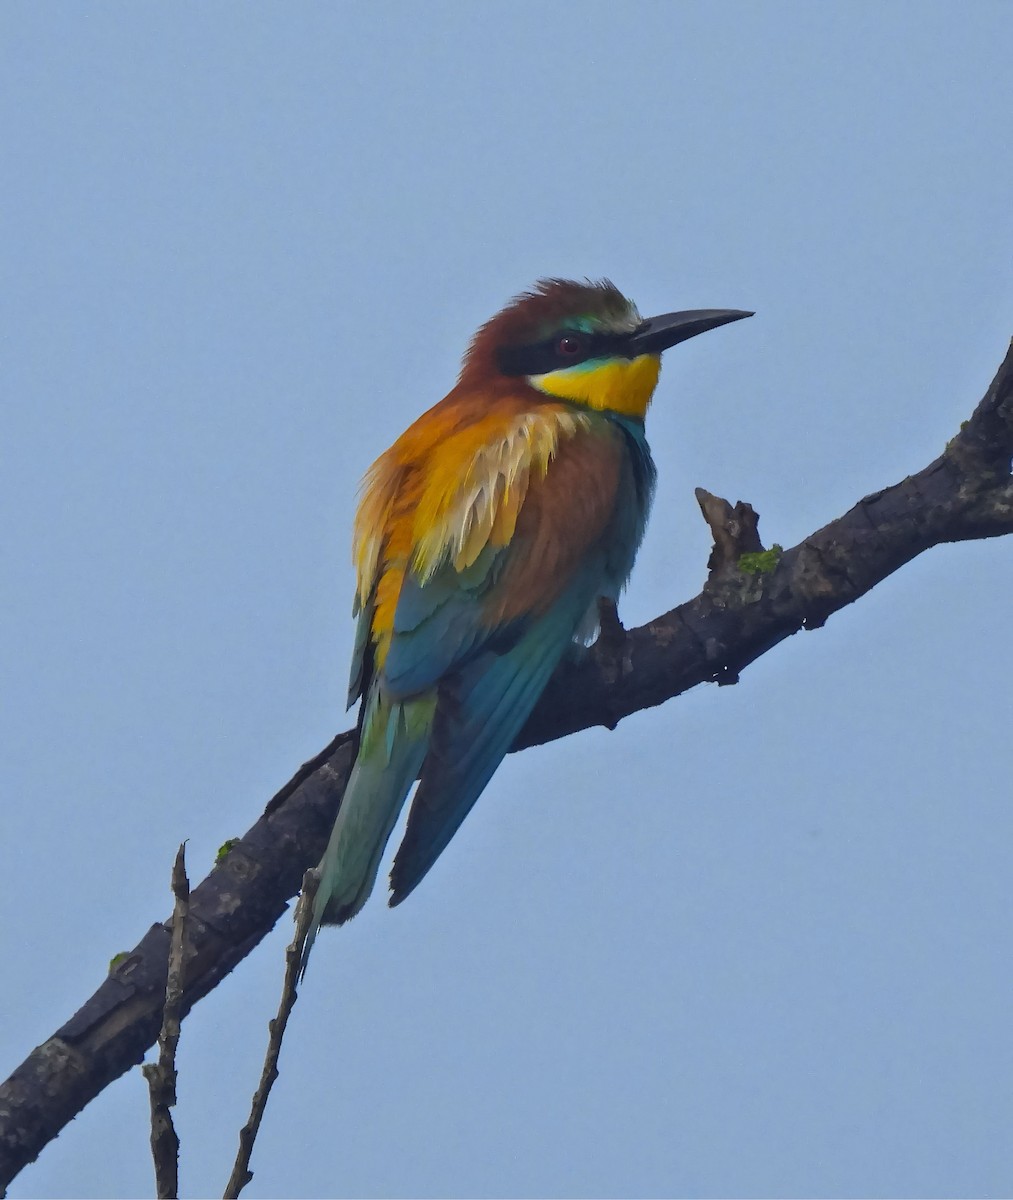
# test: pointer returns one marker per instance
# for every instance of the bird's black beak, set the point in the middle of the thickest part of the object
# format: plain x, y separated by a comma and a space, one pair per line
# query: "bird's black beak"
660, 333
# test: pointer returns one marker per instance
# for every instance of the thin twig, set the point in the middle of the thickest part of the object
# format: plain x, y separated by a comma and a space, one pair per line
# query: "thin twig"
241, 1173
161, 1076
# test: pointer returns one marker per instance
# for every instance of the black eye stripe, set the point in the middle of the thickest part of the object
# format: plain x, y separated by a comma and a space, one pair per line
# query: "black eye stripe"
542, 357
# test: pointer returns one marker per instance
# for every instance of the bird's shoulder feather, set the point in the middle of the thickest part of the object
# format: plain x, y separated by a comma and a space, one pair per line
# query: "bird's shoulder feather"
474, 521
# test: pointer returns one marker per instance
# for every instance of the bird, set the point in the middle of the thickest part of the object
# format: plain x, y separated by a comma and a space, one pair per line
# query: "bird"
483, 540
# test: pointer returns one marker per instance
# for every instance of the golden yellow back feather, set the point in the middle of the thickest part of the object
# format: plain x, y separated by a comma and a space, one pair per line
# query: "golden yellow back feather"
451, 485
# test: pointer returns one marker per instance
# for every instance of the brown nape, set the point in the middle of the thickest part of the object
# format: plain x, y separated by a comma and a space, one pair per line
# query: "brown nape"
530, 316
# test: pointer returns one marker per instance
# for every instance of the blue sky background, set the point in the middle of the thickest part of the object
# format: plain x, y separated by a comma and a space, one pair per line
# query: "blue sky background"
757, 941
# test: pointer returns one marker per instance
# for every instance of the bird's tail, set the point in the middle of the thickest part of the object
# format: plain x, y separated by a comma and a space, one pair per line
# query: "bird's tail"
395, 736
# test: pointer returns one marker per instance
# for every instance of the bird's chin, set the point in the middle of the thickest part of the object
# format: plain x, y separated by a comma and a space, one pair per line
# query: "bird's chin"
620, 385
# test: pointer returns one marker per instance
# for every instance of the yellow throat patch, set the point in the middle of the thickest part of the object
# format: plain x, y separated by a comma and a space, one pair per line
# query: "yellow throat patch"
622, 385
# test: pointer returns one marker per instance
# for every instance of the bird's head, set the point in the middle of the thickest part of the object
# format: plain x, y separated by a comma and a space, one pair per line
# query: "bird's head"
583, 342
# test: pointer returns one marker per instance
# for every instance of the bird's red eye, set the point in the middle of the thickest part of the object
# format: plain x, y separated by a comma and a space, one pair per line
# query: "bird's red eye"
569, 346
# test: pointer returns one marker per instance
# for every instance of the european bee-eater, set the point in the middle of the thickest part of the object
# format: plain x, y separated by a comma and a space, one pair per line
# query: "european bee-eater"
483, 539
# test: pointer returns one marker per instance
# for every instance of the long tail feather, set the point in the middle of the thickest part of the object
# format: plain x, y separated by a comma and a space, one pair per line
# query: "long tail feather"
394, 741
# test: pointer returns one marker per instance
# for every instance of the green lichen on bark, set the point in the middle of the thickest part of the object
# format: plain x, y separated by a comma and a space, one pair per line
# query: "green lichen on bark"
763, 562
223, 849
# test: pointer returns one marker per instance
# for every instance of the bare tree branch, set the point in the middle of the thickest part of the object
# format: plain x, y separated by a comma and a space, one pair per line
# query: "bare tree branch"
753, 599
161, 1076
241, 1173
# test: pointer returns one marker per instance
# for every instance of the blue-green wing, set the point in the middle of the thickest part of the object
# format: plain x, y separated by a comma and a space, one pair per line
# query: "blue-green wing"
481, 710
